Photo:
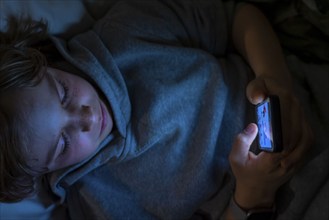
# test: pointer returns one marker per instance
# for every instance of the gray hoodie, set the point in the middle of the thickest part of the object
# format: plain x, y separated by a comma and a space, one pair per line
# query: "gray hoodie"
178, 98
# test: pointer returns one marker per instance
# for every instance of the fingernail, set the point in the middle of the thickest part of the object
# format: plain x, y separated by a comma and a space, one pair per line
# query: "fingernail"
249, 129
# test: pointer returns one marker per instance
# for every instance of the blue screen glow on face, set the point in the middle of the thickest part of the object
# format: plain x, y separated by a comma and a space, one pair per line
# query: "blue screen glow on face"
264, 126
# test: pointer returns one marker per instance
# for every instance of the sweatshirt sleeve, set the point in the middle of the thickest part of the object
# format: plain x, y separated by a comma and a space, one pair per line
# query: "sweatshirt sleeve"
187, 23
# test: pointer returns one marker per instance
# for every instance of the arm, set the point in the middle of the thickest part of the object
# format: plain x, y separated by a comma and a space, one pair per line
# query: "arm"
258, 177
256, 41
254, 38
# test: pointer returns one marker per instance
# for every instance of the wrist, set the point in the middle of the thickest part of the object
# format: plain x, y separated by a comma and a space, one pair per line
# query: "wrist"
249, 199
237, 213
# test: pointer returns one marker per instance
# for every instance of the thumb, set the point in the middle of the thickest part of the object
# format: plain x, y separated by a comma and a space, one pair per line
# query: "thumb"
242, 142
256, 91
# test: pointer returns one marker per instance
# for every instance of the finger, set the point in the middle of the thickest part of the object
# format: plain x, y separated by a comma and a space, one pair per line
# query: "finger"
286, 121
270, 161
256, 91
242, 142
270, 158
285, 173
295, 130
297, 156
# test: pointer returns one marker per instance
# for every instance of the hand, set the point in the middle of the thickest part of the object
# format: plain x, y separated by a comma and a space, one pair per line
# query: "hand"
296, 131
257, 176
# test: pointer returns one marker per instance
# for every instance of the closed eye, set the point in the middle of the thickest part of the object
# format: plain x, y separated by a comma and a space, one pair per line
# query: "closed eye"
65, 91
65, 145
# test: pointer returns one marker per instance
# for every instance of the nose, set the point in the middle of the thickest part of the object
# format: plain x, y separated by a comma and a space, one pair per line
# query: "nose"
83, 118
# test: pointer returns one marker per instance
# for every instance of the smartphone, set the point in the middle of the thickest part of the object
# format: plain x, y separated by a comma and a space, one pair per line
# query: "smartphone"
268, 118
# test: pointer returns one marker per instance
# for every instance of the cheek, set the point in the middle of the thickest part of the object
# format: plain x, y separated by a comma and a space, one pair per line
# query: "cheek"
83, 147
83, 89
80, 148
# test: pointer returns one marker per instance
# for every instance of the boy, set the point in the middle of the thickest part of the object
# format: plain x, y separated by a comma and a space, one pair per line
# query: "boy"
151, 108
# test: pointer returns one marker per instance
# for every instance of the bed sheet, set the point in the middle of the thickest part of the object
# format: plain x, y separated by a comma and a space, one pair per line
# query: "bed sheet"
306, 196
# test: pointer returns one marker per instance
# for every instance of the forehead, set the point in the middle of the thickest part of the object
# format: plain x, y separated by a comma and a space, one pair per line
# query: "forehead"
30, 107
27, 102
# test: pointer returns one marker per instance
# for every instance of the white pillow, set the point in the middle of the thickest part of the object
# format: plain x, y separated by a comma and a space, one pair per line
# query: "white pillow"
32, 208
64, 17
42, 206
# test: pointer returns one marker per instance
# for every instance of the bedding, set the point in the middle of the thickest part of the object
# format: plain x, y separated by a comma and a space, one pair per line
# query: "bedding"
300, 198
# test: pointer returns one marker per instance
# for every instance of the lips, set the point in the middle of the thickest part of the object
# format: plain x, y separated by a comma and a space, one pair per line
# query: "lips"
103, 119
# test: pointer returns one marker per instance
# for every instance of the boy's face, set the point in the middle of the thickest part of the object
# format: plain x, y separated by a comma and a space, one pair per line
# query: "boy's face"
65, 116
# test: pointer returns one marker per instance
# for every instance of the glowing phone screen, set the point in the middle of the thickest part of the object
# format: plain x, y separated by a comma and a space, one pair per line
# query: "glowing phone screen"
264, 126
